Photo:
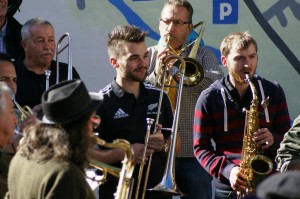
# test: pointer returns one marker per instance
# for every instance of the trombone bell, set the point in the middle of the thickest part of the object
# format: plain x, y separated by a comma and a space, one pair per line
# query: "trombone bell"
193, 72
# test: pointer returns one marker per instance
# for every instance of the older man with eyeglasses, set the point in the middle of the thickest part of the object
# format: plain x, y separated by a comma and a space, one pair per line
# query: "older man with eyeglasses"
176, 21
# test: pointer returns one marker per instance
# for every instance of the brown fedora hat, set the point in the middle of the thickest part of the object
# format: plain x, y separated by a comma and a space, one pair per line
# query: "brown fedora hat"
67, 101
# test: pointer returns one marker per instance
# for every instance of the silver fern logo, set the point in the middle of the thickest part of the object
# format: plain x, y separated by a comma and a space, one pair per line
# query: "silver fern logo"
151, 107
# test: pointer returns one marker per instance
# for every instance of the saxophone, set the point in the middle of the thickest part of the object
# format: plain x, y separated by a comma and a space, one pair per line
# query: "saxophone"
253, 164
125, 184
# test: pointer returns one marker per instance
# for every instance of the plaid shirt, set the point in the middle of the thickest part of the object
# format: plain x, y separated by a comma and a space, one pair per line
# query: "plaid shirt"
189, 96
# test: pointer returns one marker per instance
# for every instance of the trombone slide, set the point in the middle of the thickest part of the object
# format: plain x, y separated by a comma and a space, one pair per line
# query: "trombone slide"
58, 51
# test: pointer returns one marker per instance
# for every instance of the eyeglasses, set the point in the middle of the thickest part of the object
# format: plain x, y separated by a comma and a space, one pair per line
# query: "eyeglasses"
176, 22
96, 121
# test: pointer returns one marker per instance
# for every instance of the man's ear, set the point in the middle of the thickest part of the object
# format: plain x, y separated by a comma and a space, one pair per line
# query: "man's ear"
224, 61
191, 26
113, 61
23, 44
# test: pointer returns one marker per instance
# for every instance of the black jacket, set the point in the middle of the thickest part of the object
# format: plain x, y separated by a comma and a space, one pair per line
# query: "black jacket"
31, 85
13, 38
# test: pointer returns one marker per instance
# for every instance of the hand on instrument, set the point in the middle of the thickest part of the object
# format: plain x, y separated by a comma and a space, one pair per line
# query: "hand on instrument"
161, 55
237, 179
264, 138
159, 59
138, 152
156, 140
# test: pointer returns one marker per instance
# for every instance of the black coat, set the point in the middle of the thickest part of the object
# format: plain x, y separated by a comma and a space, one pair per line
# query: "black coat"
13, 38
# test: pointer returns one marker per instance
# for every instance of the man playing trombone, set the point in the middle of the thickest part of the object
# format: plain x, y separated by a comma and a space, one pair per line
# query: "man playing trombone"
176, 23
127, 103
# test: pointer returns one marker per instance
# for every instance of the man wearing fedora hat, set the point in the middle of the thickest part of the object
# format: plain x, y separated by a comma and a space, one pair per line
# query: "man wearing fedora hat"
52, 156
127, 102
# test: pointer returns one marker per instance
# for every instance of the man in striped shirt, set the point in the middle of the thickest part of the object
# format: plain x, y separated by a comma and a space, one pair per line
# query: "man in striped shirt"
220, 116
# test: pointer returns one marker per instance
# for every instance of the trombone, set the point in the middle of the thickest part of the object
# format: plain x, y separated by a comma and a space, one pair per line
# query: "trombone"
58, 51
47, 73
141, 169
186, 71
168, 184
194, 71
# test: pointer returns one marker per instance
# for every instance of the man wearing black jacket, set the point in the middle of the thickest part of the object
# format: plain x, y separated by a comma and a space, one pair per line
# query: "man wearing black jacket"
38, 42
10, 33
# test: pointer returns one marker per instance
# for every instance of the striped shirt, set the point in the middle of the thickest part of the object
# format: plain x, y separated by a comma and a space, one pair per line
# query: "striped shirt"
212, 109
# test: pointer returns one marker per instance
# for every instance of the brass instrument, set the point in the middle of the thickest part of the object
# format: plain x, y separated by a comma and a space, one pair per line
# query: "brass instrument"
253, 164
168, 184
25, 111
47, 73
58, 51
194, 72
149, 124
105, 168
186, 71
124, 187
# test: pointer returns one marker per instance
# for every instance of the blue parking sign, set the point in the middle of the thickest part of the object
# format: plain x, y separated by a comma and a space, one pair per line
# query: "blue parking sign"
225, 11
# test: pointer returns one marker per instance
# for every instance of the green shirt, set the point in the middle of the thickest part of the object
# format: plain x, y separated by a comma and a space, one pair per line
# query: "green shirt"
50, 179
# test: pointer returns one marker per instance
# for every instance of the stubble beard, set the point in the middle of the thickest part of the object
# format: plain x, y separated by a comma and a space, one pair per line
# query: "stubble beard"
136, 78
236, 77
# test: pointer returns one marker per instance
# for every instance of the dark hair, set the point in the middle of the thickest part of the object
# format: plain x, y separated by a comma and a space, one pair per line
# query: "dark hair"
61, 141
121, 34
183, 3
243, 39
5, 57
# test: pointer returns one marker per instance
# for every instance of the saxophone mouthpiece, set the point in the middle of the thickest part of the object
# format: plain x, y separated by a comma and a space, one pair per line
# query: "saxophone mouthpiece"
247, 77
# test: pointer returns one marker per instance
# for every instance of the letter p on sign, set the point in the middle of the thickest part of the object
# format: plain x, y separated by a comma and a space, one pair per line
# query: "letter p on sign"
225, 11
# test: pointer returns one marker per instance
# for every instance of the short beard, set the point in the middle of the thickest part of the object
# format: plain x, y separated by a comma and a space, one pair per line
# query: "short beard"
236, 77
135, 78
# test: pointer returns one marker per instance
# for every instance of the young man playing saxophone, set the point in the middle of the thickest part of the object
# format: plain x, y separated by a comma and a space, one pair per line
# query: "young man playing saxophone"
220, 116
